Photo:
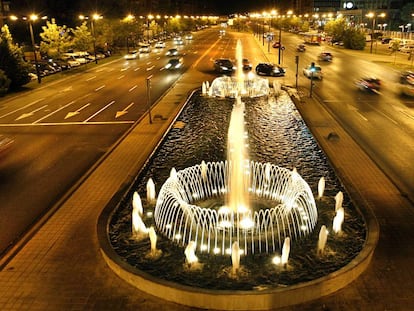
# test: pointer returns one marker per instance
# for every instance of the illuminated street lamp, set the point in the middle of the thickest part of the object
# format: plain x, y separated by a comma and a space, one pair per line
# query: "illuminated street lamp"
93, 18
373, 16
31, 19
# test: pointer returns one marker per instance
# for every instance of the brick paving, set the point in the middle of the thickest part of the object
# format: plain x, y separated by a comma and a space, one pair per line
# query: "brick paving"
61, 268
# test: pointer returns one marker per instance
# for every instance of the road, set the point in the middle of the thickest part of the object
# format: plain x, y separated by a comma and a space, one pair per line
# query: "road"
64, 128
383, 124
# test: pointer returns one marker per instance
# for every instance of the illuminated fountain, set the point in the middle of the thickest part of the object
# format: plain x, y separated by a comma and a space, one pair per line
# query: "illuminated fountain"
259, 205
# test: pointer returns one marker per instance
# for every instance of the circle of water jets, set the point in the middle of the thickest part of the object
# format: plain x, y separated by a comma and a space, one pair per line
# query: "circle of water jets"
284, 208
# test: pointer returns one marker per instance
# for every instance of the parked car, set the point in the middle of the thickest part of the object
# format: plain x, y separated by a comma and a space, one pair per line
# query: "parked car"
372, 84
172, 52
189, 36
301, 48
385, 40
313, 71
325, 56
174, 64
224, 65
131, 55
269, 69
408, 48
71, 61
407, 83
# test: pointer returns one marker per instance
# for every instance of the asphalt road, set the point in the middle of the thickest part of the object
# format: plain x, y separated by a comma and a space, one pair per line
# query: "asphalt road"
64, 128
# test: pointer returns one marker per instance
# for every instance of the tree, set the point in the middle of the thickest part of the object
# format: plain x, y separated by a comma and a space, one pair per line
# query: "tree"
55, 39
336, 29
4, 83
11, 60
354, 39
83, 38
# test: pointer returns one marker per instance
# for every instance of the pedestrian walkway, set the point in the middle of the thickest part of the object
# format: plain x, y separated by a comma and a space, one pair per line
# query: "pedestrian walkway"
61, 267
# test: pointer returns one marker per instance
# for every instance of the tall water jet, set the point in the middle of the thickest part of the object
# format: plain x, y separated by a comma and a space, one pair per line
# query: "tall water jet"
153, 239
321, 187
136, 203
235, 257
323, 237
239, 71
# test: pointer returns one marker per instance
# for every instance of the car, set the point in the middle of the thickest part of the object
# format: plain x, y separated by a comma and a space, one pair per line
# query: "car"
277, 45
301, 48
172, 52
407, 83
174, 64
313, 71
325, 56
145, 48
178, 41
247, 66
372, 84
189, 37
131, 55
385, 40
160, 45
71, 61
224, 65
270, 69
408, 48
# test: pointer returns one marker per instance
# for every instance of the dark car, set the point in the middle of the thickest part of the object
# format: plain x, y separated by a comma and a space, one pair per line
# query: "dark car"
224, 65
174, 63
247, 66
269, 69
325, 56
301, 48
369, 84
385, 40
277, 45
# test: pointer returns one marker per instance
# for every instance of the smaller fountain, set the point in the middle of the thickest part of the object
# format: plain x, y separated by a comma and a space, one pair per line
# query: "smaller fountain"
150, 191
285, 252
138, 226
235, 257
203, 89
338, 220
190, 256
323, 236
321, 187
339, 198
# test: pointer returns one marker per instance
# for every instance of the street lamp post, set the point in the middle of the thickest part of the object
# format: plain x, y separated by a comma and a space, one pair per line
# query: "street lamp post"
92, 20
149, 97
33, 18
373, 16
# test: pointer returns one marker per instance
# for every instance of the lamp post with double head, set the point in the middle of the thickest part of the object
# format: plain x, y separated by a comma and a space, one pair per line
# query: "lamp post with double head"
92, 19
373, 16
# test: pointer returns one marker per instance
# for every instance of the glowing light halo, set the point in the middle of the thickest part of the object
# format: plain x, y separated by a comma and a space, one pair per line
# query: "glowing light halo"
293, 213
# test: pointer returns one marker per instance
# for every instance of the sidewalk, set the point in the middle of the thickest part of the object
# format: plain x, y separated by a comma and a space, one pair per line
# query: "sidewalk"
61, 267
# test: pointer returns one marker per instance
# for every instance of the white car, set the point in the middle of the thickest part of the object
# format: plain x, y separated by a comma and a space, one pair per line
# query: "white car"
131, 55
313, 71
160, 45
189, 37
407, 83
145, 48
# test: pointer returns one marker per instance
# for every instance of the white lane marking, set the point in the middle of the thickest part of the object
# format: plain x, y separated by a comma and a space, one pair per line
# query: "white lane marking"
124, 111
91, 78
24, 107
149, 63
74, 113
99, 111
136, 69
150, 68
29, 114
56, 111
132, 88
100, 88
125, 68
64, 123
120, 77
407, 114
358, 113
